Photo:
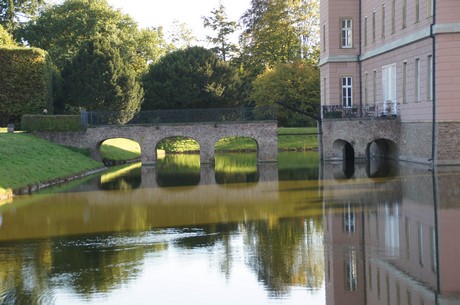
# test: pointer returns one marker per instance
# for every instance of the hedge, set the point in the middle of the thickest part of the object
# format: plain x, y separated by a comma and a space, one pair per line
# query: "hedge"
32, 123
25, 82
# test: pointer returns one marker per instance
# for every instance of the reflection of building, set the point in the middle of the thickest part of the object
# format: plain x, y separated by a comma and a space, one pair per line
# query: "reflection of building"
392, 241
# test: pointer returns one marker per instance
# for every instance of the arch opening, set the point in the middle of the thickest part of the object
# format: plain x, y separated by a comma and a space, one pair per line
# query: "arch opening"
236, 160
115, 151
345, 152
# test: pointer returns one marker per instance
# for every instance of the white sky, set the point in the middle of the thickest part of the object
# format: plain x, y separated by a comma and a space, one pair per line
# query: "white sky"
154, 13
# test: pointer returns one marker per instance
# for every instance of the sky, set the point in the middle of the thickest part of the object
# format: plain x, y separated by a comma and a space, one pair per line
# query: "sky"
154, 13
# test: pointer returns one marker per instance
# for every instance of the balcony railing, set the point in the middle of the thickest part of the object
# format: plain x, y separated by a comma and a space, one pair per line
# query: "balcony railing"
387, 109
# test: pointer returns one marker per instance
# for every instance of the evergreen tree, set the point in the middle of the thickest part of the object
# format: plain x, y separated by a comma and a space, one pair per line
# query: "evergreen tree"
98, 79
191, 78
219, 23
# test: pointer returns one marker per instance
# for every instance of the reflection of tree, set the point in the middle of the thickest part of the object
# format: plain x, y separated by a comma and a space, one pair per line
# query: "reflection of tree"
215, 235
286, 252
128, 181
99, 264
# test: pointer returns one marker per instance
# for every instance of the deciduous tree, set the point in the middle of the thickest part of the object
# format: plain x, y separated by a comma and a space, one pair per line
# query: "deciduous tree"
13, 12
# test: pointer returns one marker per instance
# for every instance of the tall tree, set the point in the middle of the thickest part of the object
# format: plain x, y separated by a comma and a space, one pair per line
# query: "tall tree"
276, 31
98, 79
191, 78
13, 12
224, 28
181, 36
64, 28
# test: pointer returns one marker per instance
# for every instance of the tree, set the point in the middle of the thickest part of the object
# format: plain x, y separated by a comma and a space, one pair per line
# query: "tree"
295, 84
98, 79
63, 29
277, 31
5, 38
181, 36
219, 23
191, 78
13, 11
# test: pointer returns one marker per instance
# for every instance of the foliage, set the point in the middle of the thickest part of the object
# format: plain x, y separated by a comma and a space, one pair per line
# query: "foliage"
279, 31
13, 12
218, 22
25, 82
51, 123
295, 84
181, 36
98, 79
190, 78
5, 38
30, 160
65, 28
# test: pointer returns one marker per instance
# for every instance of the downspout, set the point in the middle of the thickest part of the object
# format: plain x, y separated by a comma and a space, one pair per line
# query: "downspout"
360, 63
433, 56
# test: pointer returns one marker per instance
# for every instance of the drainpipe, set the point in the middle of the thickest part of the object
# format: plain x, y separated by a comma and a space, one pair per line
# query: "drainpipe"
433, 56
360, 64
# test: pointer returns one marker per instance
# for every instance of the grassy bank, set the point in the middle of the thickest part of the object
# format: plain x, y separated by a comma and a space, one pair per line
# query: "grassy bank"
26, 159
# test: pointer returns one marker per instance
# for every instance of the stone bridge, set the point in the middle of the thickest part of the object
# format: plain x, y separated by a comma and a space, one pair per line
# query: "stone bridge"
264, 133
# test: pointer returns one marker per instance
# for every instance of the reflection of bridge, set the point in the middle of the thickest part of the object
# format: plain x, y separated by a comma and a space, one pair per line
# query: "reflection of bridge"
206, 126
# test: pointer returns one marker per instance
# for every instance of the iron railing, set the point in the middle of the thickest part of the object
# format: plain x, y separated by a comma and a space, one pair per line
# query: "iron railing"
153, 117
387, 109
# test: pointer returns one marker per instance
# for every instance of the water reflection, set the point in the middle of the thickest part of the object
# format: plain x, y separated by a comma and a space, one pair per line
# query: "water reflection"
392, 241
287, 238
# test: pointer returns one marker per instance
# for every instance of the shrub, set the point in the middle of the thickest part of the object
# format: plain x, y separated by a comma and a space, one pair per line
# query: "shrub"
51, 123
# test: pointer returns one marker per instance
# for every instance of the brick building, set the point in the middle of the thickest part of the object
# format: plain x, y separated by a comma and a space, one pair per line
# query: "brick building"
399, 60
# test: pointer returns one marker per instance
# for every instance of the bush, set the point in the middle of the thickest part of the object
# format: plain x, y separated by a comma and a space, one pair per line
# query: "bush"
25, 83
31, 123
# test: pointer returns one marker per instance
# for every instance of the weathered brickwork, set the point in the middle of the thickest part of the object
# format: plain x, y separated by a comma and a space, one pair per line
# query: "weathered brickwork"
148, 137
448, 143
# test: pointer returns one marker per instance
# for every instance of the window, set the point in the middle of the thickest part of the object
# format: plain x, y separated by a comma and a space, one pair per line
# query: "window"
393, 16
373, 26
417, 11
351, 270
347, 91
420, 244
404, 13
324, 91
389, 84
365, 31
347, 33
349, 219
324, 36
366, 91
383, 20
374, 86
404, 83
417, 80
429, 77
430, 7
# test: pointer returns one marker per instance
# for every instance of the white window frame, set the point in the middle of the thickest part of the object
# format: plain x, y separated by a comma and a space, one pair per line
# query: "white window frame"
389, 88
346, 37
346, 91
429, 77
417, 80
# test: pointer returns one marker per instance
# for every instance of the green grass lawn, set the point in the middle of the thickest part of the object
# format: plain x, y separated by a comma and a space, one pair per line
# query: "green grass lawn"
26, 159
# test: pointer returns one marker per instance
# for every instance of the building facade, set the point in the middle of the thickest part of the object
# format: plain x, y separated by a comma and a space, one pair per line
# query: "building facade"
394, 62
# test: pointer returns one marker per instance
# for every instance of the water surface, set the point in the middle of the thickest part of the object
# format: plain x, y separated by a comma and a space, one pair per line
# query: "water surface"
237, 233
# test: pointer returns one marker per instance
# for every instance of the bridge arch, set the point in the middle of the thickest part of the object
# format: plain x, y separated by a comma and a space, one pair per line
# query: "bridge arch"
382, 149
344, 150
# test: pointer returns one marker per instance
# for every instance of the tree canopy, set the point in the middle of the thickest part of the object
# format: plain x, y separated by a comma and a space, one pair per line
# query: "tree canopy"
63, 29
295, 84
97, 78
5, 38
13, 12
191, 78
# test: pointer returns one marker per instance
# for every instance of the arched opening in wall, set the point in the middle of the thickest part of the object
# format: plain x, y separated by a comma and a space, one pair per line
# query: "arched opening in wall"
236, 160
381, 158
178, 162
117, 151
344, 151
